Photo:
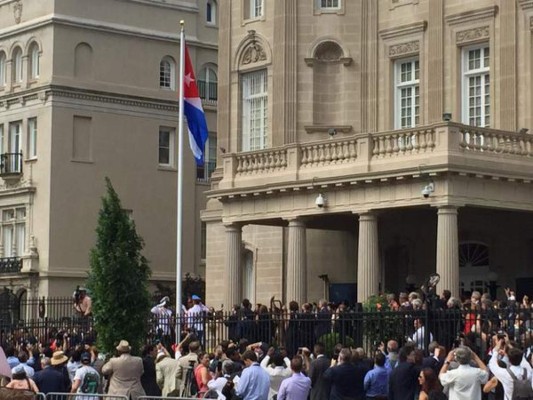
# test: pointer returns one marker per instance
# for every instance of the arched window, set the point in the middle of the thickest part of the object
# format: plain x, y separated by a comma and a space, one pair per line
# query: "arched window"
17, 65
83, 61
167, 73
207, 83
211, 12
3, 79
34, 61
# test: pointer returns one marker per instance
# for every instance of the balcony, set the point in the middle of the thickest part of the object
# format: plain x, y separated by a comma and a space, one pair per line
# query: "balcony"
208, 92
11, 166
363, 157
10, 265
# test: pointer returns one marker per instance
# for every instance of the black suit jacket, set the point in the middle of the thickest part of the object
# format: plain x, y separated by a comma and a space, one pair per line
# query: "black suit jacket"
319, 386
434, 364
347, 382
403, 382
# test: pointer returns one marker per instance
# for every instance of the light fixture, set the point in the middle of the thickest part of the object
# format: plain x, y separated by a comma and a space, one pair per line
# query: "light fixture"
320, 201
332, 132
447, 117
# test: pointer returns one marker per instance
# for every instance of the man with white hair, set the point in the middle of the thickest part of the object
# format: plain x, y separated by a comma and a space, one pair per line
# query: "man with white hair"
464, 382
164, 321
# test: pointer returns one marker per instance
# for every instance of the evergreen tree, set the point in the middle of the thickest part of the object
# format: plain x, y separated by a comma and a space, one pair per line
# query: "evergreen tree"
118, 279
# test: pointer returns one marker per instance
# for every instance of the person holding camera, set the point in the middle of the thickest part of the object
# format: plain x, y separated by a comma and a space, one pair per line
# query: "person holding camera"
82, 302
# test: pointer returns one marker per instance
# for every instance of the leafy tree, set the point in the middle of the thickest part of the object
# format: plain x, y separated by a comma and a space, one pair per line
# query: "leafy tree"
118, 279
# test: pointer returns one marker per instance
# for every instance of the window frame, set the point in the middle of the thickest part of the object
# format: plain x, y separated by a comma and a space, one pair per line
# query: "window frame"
321, 6
483, 72
170, 148
204, 172
171, 74
16, 226
34, 57
16, 66
246, 112
208, 93
256, 5
3, 69
32, 138
413, 84
211, 12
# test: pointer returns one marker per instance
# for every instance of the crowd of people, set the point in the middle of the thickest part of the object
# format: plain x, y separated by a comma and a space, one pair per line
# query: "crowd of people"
484, 353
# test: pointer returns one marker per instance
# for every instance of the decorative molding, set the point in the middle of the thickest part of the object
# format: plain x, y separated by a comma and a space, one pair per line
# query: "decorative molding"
526, 4
330, 52
472, 16
403, 30
253, 51
326, 128
531, 24
17, 11
472, 35
173, 4
403, 49
399, 3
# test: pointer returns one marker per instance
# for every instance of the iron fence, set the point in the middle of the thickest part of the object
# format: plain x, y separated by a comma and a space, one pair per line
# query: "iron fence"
289, 330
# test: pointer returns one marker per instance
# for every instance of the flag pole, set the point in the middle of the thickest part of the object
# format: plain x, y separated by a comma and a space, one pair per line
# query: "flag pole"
180, 186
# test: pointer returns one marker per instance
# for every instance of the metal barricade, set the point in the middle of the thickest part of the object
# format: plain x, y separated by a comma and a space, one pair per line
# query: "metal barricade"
83, 396
40, 396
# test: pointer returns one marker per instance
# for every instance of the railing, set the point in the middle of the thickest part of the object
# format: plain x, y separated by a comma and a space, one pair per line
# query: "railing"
361, 153
203, 173
294, 330
10, 265
10, 164
207, 90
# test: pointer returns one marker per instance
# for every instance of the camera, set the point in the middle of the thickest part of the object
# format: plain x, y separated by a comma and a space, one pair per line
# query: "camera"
320, 201
428, 189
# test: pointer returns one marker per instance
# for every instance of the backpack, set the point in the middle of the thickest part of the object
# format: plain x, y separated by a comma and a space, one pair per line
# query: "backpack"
90, 383
521, 387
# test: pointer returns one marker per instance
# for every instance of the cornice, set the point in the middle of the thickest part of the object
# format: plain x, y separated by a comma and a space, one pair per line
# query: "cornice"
531, 24
472, 16
119, 29
403, 30
54, 91
172, 4
526, 4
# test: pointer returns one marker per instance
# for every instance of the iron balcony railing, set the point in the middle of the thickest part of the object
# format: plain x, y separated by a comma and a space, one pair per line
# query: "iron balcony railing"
203, 173
207, 90
10, 265
10, 164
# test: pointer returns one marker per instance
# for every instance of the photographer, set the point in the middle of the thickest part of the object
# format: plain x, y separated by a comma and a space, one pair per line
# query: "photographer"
82, 302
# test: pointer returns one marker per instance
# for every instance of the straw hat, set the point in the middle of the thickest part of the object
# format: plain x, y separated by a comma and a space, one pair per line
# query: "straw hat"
58, 358
123, 347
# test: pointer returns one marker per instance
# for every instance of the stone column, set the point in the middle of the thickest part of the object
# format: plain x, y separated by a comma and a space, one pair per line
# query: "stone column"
233, 271
367, 257
296, 262
448, 250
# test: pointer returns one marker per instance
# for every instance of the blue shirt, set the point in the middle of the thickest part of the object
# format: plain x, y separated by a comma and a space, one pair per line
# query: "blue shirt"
13, 361
377, 381
296, 387
254, 383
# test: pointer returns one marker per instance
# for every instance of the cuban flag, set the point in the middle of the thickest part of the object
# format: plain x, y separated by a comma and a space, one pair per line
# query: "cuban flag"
192, 108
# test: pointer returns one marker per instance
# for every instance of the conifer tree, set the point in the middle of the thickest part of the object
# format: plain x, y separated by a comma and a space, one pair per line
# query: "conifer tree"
118, 279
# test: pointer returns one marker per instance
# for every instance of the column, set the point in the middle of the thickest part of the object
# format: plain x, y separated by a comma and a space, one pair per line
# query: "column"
233, 266
367, 257
448, 250
296, 262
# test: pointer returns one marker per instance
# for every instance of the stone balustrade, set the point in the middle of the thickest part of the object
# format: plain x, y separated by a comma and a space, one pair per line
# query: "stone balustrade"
382, 152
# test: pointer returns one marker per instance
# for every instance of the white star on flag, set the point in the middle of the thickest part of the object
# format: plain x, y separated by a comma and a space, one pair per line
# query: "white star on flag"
187, 78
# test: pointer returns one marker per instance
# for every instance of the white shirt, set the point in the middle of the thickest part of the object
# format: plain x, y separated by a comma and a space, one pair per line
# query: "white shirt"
80, 375
164, 316
464, 382
503, 375
193, 316
419, 338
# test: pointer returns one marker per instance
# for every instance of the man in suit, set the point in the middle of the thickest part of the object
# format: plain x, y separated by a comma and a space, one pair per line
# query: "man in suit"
319, 386
166, 369
403, 379
186, 363
433, 361
346, 378
125, 373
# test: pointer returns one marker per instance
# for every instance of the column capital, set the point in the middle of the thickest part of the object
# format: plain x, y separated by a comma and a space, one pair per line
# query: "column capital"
233, 226
295, 221
368, 216
448, 209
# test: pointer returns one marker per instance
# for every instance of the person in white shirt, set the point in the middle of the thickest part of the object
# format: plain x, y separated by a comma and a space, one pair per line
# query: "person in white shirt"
195, 316
419, 337
517, 365
164, 321
84, 384
219, 383
278, 372
464, 382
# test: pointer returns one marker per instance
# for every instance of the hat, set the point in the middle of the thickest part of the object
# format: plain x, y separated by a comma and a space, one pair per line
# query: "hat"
195, 297
58, 358
123, 347
85, 357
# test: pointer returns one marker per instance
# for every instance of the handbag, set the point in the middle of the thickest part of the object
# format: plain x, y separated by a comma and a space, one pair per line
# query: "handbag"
16, 394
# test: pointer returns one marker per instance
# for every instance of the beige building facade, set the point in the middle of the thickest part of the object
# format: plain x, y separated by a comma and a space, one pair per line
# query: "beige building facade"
370, 143
88, 90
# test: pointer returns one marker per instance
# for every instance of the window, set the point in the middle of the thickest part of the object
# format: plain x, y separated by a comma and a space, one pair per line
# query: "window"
207, 84
203, 240
203, 173
13, 226
1, 139
13, 163
256, 8
166, 147
254, 110
476, 86
330, 4
17, 65
34, 61
3, 79
211, 12
407, 104
167, 73
32, 138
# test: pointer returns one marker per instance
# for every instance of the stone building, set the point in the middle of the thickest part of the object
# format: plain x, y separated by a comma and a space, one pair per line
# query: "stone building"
370, 143
88, 90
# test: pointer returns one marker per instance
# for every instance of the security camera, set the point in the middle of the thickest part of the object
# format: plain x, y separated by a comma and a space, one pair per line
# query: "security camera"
320, 201
428, 189
332, 132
